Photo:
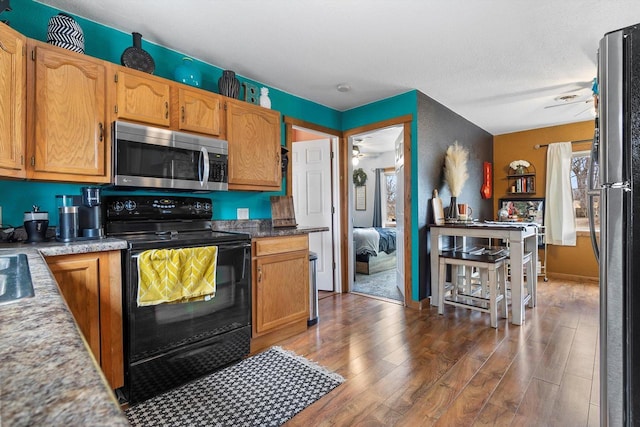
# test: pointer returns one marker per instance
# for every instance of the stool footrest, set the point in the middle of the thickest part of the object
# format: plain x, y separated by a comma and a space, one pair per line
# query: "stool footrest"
462, 296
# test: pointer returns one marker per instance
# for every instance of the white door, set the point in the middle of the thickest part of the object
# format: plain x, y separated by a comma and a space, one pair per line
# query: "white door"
311, 186
400, 250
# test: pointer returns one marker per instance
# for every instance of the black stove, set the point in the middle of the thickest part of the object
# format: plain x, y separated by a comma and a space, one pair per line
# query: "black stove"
170, 344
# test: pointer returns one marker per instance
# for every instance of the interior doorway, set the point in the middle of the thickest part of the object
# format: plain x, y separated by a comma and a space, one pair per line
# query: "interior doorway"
404, 272
313, 169
376, 167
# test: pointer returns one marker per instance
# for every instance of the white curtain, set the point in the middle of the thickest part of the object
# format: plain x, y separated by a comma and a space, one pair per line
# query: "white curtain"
559, 216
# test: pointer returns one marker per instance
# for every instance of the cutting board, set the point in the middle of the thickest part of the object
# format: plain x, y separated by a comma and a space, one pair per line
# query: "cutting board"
438, 211
282, 212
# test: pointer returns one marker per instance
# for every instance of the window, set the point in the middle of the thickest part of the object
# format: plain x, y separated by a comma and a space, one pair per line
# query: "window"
389, 195
580, 163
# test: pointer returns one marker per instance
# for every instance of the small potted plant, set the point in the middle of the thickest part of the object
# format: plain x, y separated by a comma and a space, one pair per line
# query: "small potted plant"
519, 166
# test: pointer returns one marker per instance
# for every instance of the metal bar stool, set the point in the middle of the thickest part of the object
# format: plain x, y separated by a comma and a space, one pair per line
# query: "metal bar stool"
485, 296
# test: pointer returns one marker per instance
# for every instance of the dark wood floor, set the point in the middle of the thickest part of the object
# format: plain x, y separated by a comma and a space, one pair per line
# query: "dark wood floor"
405, 367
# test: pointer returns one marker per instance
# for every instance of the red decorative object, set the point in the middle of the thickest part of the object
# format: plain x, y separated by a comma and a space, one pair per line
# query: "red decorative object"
485, 190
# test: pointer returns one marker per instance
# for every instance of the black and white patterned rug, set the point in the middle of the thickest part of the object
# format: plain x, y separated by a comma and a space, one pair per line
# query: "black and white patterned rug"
267, 389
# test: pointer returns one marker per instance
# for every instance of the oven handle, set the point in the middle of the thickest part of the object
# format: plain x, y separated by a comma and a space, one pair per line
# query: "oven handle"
203, 167
246, 259
226, 247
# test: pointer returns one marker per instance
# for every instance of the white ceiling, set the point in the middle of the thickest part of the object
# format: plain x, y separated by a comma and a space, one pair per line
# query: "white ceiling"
498, 63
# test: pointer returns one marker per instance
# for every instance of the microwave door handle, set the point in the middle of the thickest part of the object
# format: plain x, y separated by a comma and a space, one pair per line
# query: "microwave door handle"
203, 167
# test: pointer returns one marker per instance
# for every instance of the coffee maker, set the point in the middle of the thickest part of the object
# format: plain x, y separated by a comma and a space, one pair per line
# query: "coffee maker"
80, 216
90, 214
35, 224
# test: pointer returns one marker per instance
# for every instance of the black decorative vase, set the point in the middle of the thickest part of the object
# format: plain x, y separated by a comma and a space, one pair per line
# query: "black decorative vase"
452, 213
228, 84
137, 58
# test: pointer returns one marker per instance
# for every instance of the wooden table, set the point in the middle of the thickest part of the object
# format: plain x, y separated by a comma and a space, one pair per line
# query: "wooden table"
522, 237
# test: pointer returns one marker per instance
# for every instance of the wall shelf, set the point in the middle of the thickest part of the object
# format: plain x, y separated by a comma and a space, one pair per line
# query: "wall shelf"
523, 183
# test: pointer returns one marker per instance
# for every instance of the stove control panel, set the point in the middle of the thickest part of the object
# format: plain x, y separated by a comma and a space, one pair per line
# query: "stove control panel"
156, 207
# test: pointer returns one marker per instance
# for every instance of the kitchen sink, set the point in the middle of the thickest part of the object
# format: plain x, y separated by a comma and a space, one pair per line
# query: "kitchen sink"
15, 278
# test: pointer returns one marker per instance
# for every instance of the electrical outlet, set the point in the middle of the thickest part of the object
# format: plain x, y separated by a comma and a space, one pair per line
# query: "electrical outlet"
243, 213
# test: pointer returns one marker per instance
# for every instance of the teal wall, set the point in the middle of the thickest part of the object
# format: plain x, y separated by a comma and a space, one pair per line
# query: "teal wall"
400, 105
31, 19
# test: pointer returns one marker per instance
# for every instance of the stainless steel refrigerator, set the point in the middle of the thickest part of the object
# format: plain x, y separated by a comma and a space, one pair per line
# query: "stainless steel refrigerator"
616, 159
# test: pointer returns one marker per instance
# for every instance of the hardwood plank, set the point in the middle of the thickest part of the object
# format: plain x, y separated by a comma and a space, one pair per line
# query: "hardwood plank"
555, 357
572, 405
538, 402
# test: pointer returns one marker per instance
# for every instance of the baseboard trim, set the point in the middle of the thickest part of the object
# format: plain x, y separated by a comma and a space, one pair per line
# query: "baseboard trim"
572, 277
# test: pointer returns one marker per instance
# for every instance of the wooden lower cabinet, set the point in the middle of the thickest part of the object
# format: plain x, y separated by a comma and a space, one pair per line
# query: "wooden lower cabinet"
90, 284
280, 288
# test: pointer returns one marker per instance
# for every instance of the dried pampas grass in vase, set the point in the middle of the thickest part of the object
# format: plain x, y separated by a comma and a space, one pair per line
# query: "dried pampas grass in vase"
455, 174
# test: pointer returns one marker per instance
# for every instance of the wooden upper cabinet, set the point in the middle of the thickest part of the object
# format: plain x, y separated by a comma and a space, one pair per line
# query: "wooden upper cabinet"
67, 124
141, 97
253, 133
197, 111
13, 80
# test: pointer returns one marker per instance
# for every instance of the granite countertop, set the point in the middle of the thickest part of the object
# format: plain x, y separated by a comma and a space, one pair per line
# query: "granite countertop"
263, 228
48, 375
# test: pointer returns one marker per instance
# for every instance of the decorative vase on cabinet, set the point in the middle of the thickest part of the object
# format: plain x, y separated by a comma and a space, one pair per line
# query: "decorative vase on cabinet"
187, 73
228, 84
265, 101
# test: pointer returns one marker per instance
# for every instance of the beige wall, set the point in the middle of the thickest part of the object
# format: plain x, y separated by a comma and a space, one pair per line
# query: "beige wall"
562, 261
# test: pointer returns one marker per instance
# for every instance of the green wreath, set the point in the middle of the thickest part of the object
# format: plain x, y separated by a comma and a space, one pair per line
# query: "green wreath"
359, 177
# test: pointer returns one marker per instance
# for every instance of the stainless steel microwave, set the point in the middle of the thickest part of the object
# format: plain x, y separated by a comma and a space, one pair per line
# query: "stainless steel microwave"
149, 157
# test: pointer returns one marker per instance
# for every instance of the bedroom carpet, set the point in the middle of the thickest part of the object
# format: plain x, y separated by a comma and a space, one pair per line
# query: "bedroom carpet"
263, 390
381, 284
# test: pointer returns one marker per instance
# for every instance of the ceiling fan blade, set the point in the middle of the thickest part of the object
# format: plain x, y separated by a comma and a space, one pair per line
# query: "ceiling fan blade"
583, 111
569, 103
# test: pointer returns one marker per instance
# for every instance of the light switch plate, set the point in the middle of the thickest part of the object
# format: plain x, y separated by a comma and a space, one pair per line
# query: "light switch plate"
243, 213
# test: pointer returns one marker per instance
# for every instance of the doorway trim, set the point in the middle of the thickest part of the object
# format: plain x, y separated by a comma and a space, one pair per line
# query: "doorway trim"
345, 196
338, 266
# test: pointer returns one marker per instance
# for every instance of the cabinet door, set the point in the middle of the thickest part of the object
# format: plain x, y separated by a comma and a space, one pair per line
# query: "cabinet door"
78, 280
12, 102
199, 112
282, 290
90, 284
142, 98
67, 118
254, 147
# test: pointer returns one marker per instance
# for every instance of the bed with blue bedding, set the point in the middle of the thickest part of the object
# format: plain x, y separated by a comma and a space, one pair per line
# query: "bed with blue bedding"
375, 249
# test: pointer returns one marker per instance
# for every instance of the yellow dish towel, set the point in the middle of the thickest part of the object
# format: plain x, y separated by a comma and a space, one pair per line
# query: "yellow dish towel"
176, 275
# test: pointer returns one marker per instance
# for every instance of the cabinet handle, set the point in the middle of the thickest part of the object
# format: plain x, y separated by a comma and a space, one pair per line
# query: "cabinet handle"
101, 126
259, 274
182, 108
166, 109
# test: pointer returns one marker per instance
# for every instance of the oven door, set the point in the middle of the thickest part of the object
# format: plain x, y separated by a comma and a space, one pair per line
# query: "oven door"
160, 158
170, 344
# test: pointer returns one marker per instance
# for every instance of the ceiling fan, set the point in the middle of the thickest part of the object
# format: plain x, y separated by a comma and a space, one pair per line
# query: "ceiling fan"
576, 98
356, 154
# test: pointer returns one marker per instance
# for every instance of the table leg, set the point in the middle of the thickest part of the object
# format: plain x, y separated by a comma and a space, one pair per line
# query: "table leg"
517, 279
531, 245
434, 258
